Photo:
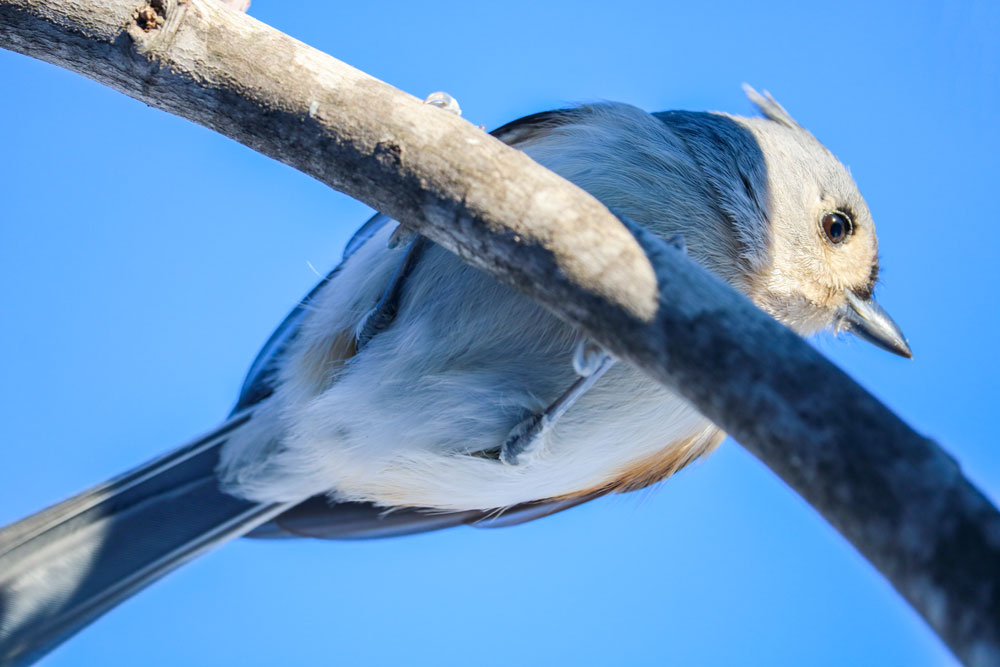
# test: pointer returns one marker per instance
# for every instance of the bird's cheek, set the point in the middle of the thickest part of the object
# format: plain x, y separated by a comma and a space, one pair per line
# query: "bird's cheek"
802, 315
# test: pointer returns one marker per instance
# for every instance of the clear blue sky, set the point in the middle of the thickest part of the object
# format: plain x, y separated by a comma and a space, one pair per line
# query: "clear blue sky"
144, 259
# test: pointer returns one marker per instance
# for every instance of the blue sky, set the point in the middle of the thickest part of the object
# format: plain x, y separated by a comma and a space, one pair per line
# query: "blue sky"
144, 259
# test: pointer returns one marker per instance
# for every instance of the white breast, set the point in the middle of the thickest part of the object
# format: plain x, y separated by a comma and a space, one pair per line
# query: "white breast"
404, 422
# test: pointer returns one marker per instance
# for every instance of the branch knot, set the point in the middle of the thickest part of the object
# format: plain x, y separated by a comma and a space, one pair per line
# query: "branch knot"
151, 16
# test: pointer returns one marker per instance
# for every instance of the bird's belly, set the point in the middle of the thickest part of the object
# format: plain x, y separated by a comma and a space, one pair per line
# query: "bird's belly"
405, 421
420, 445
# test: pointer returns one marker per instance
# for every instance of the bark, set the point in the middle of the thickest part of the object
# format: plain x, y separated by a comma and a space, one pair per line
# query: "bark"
900, 499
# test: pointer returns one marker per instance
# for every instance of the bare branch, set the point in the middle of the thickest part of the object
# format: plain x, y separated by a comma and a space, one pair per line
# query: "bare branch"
897, 496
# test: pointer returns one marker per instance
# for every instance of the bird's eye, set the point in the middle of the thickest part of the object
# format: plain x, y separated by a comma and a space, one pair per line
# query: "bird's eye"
837, 226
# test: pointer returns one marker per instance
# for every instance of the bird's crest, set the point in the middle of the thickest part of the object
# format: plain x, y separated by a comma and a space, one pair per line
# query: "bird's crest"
769, 107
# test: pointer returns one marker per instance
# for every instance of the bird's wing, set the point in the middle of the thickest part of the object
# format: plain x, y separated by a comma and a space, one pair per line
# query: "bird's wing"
260, 379
522, 131
318, 517
321, 519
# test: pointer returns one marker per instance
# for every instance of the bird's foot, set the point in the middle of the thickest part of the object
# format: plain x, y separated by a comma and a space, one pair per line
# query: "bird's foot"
588, 357
525, 440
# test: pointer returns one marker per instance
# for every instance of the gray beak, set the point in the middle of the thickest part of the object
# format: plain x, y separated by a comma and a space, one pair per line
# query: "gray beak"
866, 319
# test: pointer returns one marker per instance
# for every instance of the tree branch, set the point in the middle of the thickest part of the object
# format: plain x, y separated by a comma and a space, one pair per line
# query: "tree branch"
895, 495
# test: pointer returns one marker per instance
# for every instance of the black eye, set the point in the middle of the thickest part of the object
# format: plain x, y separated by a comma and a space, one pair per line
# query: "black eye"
837, 226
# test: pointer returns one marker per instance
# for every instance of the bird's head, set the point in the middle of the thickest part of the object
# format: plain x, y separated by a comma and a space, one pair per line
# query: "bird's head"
823, 261
759, 201
804, 235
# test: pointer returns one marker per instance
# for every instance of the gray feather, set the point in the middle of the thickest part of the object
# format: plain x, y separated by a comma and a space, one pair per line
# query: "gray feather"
63, 567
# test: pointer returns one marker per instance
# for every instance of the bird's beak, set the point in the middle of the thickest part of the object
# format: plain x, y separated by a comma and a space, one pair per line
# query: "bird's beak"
866, 319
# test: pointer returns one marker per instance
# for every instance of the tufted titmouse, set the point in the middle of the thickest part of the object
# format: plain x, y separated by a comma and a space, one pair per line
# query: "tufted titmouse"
407, 379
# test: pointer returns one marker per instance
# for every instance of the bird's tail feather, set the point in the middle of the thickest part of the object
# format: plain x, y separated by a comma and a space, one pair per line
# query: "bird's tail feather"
64, 566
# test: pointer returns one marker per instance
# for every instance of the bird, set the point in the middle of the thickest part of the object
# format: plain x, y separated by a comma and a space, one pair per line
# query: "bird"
409, 391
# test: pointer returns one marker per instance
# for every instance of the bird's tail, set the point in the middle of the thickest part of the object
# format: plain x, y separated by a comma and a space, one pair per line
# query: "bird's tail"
64, 566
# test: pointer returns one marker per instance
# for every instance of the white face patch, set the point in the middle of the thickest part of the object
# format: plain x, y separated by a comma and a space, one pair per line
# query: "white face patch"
807, 273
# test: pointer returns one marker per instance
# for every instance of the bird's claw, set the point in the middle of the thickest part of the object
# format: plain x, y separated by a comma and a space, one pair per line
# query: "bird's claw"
523, 441
588, 357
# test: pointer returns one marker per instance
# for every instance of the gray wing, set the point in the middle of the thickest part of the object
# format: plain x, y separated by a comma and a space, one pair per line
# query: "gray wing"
260, 379
318, 517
